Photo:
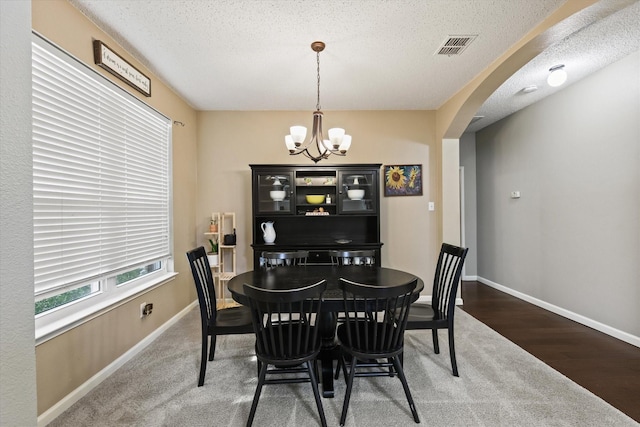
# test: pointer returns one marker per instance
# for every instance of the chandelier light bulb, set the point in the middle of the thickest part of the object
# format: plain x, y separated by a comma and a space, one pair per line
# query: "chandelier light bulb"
557, 76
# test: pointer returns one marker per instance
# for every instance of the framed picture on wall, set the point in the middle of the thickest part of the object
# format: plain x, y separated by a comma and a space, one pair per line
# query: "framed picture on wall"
402, 180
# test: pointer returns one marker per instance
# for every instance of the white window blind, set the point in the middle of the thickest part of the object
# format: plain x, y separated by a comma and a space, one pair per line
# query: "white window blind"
100, 174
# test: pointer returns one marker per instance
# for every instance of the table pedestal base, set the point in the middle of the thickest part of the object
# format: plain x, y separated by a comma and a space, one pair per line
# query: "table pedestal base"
330, 351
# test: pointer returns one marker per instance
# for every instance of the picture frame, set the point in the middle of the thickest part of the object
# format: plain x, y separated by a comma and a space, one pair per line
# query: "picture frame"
402, 180
106, 58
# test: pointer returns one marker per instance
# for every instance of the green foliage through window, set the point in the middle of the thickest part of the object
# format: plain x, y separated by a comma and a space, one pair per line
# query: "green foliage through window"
129, 275
137, 272
62, 299
81, 292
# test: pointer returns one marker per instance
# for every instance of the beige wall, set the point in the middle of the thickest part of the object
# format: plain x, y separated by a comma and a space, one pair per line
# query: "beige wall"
229, 141
67, 361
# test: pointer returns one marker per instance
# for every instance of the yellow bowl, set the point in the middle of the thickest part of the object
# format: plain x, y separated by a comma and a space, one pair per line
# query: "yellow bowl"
315, 199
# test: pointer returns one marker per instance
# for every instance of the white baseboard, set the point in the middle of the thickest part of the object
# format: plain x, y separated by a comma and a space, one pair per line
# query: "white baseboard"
469, 278
606, 329
64, 404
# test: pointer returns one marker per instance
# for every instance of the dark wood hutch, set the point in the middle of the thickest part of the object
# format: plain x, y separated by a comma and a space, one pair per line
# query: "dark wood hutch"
344, 215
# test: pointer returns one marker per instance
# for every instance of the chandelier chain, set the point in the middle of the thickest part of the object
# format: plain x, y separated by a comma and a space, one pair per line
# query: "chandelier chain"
318, 61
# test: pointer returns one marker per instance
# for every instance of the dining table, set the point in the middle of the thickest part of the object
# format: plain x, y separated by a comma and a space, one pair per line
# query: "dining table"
292, 277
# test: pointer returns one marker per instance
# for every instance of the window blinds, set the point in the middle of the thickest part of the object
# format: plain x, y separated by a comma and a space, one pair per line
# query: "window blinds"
100, 174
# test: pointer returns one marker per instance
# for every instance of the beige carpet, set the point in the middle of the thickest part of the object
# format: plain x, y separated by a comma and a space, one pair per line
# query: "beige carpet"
499, 385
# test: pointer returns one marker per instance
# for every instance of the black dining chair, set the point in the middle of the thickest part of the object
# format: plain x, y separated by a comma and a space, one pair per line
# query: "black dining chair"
372, 334
439, 314
287, 337
283, 258
233, 320
353, 257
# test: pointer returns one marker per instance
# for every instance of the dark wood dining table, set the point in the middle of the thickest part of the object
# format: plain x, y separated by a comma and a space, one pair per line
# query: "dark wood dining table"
282, 278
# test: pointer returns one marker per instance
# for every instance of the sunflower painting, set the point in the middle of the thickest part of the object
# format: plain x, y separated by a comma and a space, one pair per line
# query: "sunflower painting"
403, 180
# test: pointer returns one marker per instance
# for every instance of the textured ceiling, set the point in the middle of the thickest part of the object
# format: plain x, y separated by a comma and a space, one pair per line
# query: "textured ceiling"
380, 55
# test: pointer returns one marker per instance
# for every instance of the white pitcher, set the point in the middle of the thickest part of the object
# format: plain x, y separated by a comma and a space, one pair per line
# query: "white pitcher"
268, 232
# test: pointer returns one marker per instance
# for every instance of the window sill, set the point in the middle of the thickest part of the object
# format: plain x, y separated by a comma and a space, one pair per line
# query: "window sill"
76, 318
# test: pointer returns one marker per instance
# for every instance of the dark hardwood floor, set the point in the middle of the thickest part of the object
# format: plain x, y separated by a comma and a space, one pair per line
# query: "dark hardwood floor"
604, 365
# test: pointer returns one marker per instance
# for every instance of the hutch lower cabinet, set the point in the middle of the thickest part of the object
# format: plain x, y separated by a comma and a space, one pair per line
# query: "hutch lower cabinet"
316, 208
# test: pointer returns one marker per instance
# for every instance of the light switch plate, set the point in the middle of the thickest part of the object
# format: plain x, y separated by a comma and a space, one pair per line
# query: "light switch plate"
515, 194
432, 206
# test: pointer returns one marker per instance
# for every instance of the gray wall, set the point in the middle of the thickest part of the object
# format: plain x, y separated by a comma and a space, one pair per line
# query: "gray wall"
468, 162
573, 239
17, 345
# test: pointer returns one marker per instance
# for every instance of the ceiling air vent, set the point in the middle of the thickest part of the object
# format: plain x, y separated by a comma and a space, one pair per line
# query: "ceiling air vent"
455, 45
